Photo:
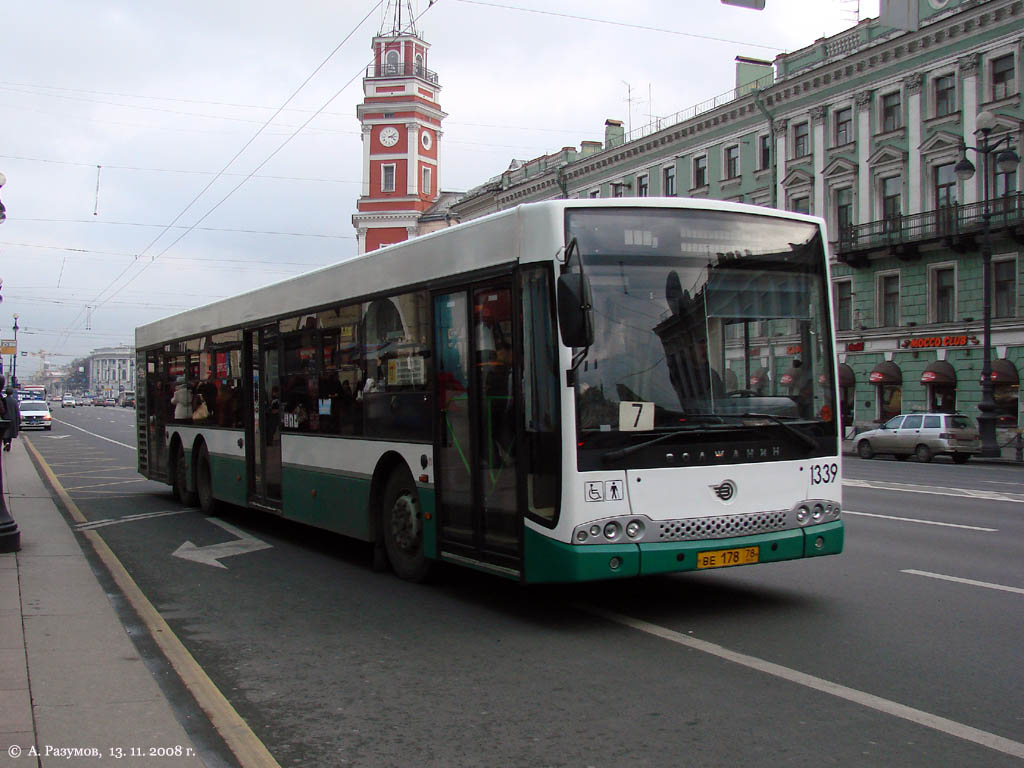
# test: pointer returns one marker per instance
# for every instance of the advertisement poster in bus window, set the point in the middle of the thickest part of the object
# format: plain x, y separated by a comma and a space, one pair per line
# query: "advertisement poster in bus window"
222, 365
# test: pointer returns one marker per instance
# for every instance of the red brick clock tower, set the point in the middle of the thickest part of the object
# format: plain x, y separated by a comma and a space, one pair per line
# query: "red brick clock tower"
401, 122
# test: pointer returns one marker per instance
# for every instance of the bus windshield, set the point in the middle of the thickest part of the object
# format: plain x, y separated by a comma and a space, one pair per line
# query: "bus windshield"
710, 328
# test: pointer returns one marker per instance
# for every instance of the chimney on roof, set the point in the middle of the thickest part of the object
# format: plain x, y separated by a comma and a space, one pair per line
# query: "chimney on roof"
588, 148
614, 133
752, 74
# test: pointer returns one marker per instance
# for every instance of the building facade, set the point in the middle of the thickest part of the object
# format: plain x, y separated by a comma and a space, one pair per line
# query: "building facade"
112, 370
865, 129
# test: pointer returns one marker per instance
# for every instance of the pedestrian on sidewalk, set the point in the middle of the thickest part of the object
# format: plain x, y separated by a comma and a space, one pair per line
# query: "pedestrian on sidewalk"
11, 412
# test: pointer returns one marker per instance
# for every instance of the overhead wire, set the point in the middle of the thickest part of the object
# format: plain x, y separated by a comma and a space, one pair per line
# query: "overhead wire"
624, 24
283, 144
97, 302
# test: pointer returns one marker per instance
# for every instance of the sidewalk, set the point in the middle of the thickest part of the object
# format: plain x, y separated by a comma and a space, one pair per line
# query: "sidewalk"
70, 677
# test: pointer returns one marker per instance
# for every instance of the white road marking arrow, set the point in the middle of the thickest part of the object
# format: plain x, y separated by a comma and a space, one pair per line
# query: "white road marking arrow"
210, 555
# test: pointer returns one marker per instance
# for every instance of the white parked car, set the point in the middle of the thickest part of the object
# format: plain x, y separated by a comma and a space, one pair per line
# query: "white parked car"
922, 435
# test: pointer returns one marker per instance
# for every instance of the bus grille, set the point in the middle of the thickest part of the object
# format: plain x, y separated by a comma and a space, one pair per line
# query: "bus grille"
724, 526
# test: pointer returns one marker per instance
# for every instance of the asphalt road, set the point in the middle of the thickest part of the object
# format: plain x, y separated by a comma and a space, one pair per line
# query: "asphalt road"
903, 651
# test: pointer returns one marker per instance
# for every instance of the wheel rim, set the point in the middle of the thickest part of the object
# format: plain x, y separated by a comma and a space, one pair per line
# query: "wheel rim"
405, 523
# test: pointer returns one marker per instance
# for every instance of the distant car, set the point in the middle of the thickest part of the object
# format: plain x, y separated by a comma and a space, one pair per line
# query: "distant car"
68, 402
923, 435
109, 401
35, 414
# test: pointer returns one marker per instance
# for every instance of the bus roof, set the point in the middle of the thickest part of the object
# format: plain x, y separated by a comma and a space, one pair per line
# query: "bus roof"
527, 233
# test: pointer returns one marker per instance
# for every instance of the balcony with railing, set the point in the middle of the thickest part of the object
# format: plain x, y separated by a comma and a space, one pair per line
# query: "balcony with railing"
957, 226
407, 69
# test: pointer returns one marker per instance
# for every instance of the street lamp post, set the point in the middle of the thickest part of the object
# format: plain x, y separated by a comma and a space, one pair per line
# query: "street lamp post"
14, 357
1006, 161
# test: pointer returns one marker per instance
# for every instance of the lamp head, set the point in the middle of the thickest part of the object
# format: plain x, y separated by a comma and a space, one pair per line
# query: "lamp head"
986, 121
964, 169
1006, 161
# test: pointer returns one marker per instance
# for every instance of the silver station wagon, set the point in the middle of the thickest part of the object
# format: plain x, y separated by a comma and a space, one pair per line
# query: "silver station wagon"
923, 435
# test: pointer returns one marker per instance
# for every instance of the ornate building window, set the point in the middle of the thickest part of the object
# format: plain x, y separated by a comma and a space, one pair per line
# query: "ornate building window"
1003, 77
945, 95
700, 171
892, 112
843, 126
801, 139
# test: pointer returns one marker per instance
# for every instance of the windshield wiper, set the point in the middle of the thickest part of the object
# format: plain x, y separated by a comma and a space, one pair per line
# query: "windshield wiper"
719, 418
806, 439
622, 453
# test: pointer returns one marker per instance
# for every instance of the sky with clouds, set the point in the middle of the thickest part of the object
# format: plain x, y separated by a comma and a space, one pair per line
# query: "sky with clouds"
160, 156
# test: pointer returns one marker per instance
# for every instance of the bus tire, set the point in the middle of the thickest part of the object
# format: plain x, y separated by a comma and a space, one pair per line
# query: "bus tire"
401, 526
204, 482
179, 480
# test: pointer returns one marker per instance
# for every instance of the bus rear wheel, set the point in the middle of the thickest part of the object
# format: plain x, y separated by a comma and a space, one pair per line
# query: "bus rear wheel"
204, 482
402, 528
179, 484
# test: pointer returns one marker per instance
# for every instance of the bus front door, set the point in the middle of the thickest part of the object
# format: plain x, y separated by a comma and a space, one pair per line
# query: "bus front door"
478, 515
263, 457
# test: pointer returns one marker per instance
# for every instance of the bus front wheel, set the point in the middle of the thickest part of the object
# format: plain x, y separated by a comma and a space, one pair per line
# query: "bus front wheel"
179, 484
402, 528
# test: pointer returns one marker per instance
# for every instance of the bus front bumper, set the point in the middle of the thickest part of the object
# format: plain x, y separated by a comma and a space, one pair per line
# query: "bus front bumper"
548, 560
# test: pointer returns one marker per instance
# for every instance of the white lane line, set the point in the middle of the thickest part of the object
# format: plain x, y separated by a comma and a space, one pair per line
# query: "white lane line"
972, 582
1016, 498
922, 522
101, 437
869, 700
126, 519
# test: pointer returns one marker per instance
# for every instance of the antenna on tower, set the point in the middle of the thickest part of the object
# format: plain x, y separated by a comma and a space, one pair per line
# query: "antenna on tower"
391, 23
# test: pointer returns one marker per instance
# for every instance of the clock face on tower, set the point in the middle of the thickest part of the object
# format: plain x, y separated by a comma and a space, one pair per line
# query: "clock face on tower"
389, 136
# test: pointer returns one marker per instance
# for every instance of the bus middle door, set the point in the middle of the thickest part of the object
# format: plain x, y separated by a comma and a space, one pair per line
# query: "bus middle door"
479, 521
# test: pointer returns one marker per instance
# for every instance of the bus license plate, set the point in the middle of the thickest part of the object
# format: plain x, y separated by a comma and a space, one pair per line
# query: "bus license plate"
721, 558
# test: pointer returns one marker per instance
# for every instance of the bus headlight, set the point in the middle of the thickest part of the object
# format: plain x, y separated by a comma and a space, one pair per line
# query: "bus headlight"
802, 513
581, 536
817, 513
595, 530
612, 530
634, 529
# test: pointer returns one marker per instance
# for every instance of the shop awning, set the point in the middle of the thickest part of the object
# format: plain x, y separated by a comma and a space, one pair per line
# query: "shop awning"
1004, 372
939, 372
886, 373
846, 377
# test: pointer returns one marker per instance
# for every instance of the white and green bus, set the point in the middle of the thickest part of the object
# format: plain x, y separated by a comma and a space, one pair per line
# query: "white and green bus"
563, 391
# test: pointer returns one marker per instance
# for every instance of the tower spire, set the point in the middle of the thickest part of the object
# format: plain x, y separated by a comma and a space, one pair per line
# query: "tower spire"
397, 13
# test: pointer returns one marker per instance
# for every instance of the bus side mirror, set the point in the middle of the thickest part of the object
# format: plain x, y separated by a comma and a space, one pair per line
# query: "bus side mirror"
575, 313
